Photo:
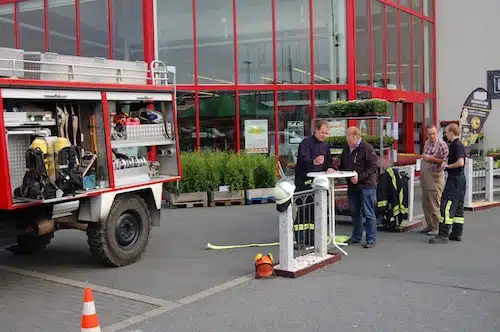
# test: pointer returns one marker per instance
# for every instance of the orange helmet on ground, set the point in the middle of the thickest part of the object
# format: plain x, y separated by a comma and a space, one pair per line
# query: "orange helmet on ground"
264, 266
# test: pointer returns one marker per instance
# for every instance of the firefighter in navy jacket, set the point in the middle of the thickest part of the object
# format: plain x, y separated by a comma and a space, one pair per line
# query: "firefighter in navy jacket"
313, 156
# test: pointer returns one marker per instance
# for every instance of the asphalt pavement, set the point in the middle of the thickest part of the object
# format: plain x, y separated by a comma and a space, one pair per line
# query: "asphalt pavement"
404, 284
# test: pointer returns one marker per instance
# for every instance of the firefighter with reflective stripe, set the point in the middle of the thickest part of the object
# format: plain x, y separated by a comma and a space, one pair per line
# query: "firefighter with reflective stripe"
313, 156
452, 200
392, 197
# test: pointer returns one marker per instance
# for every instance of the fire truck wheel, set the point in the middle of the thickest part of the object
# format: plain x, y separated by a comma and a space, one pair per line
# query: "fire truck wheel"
30, 244
124, 236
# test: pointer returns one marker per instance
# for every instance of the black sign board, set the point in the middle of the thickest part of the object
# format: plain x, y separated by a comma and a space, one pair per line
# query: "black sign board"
474, 113
493, 83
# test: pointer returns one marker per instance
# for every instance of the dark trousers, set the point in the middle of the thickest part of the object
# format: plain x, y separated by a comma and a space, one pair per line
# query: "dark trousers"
452, 206
362, 205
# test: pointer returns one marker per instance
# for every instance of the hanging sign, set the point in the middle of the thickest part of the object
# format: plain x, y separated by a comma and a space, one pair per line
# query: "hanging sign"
295, 131
474, 113
256, 136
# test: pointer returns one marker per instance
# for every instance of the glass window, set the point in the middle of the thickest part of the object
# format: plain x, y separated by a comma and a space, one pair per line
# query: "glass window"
61, 25
417, 5
330, 51
428, 57
7, 26
215, 42
337, 127
418, 83
217, 116
186, 117
175, 37
255, 42
378, 44
31, 26
419, 128
429, 112
94, 28
362, 43
292, 42
294, 110
428, 7
257, 105
392, 47
128, 39
406, 3
405, 50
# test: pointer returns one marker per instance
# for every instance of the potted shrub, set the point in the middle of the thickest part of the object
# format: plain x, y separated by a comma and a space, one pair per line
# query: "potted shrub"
232, 176
354, 108
263, 170
192, 189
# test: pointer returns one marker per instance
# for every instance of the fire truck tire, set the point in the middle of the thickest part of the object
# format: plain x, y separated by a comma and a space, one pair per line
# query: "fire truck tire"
123, 237
30, 244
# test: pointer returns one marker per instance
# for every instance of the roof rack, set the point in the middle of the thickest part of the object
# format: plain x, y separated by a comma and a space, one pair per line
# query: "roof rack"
15, 63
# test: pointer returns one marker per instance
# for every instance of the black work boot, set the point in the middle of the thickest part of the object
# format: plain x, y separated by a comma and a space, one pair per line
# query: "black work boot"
456, 232
439, 239
442, 237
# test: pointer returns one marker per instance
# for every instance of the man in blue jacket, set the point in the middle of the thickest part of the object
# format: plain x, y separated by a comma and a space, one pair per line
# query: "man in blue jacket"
360, 156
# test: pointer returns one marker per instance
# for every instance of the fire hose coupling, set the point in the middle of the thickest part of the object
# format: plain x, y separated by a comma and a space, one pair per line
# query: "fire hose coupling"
169, 152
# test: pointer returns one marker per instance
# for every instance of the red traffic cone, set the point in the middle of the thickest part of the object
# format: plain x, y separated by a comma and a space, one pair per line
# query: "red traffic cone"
90, 320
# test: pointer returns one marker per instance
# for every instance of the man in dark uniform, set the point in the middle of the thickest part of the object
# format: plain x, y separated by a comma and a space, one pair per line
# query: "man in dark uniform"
452, 201
313, 156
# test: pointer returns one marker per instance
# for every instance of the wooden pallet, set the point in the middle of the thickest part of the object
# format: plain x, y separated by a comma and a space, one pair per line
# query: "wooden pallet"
185, 205
227, 202
264, 200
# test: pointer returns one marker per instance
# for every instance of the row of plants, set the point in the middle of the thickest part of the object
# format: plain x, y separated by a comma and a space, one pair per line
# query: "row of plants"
340, 141
405, 159
363, 107
208, 170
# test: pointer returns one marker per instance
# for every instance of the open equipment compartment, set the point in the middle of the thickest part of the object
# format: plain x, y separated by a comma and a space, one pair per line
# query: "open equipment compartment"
61, 130
143, 137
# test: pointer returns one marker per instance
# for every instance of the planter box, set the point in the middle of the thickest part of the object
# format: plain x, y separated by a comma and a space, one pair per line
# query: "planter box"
196, 199
226, 198
259, 196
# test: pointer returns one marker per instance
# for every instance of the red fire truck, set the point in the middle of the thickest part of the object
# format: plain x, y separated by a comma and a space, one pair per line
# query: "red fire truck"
85, 144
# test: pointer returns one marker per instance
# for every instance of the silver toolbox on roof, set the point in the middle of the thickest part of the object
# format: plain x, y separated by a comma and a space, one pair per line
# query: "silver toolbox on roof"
45, 66
11, 62
126, 72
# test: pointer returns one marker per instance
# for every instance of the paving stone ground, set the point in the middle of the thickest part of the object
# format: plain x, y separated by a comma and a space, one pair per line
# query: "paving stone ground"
30, 304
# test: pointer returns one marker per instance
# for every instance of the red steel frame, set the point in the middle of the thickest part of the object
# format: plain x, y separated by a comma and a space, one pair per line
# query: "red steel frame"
351, 87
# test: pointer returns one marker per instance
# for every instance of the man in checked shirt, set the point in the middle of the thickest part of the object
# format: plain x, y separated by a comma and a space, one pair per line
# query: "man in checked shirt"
432, 179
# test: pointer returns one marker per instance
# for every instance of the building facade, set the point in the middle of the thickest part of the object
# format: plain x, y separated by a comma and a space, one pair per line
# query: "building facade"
281, 61
466, 51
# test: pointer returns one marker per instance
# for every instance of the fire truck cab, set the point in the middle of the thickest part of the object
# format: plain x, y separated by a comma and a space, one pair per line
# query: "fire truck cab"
85, 144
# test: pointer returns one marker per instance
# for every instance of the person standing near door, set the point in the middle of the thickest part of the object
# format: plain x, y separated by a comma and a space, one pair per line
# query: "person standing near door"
432, 179
452, 200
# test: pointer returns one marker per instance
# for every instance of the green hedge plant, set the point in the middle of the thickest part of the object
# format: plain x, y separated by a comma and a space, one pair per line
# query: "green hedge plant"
364, 107
206, 171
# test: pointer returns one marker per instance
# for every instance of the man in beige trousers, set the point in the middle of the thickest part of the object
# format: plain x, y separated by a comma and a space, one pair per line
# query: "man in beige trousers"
432, 179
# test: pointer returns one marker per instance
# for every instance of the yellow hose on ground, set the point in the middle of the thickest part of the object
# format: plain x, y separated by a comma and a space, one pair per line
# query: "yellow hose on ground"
338, 239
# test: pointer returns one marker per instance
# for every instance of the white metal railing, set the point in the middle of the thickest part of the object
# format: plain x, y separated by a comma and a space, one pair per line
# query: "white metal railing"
85, 69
